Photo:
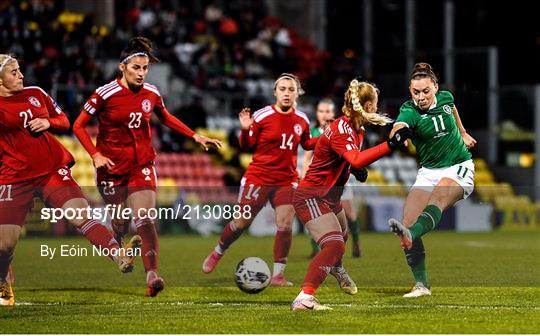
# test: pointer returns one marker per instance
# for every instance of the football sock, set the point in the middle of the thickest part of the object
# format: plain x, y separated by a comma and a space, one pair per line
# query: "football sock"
282, 245
339, 263
279, 268
354, 228
98, 235
314, 246
332, 250
5, 261
150, 245
426, 222
416, 259
229, 235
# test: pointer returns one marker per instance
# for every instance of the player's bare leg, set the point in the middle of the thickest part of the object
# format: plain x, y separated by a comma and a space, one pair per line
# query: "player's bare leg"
282, 244
9, 235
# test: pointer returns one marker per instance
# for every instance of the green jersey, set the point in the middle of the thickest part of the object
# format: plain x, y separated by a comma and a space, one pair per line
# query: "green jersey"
316, 131
435, 132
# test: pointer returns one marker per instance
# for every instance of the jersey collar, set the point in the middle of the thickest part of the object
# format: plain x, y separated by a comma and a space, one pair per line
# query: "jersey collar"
434, 105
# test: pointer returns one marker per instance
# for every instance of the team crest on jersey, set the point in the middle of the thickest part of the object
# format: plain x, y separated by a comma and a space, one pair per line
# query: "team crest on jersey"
146, 171
447, 109
62, 171
298, 129
34, 101
146, 105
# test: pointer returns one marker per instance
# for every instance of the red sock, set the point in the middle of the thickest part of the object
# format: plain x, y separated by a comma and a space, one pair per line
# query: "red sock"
229, 235
332, 249
98, 235
345, 238
282, 245
150, 246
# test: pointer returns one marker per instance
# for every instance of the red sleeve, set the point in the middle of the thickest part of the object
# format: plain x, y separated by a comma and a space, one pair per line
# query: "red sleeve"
58, 120
169, 120
248, 138
80, 132
310, 143
307, 142
360, 159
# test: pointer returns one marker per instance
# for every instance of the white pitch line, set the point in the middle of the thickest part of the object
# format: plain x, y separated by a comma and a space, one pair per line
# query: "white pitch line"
254, 304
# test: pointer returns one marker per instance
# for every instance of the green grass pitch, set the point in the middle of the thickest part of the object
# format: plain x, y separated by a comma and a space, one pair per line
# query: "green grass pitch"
481, 282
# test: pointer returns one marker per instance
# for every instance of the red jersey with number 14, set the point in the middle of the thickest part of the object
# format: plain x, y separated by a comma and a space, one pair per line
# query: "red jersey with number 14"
329, 168
25, 155
125, 134
275, 137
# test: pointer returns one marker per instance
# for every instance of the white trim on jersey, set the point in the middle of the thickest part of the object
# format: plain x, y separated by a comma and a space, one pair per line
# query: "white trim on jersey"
89, 108
36, 87
340, 126
152, 88
100, 90
264, 109
402, 122
302, 115
56, 107
264, 115
110, 93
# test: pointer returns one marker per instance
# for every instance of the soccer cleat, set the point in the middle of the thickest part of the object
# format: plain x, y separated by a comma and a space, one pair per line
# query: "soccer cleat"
279, 280
356, 253
6, 294
308, 304
155, 286
418, 290
126, 261
345, 281
402, 232
211, 262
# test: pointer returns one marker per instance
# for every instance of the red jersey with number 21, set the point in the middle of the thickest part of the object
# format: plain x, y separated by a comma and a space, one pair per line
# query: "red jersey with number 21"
25, 155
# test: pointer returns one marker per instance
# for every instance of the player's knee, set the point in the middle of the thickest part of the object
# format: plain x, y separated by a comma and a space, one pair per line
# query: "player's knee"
7, 246
242, 223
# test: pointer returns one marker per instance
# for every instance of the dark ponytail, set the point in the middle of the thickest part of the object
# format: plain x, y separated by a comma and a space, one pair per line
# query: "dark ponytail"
138, 46
423, 70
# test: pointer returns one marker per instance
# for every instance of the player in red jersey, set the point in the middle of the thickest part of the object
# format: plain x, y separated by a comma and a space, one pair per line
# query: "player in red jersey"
317, 199
34, 164
124, 156
274, 133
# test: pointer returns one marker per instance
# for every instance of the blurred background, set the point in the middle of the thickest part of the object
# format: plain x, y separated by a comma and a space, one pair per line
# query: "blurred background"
219, 56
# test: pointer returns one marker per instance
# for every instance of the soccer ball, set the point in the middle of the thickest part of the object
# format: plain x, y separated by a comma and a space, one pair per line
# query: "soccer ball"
252, 275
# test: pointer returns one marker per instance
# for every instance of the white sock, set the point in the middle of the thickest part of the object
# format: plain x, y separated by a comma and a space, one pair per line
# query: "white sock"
150, 275
279, 268
303, 296
219, 250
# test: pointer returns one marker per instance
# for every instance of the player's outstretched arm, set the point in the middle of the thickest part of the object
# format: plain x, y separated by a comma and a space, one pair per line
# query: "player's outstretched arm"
469, 140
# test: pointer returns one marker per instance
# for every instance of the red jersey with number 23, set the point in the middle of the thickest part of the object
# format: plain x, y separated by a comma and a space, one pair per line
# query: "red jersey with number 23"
25, 155
328, 167
275, 137
125, 134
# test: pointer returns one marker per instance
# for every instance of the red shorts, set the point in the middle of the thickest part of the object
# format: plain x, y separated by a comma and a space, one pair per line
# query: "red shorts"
308, 206
255, 195
55, 189
115, 189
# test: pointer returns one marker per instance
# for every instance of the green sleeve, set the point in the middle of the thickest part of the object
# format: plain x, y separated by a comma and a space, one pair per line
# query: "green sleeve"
445, 98
408, 115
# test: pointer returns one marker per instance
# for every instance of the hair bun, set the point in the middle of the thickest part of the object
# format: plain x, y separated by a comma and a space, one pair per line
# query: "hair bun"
422, 67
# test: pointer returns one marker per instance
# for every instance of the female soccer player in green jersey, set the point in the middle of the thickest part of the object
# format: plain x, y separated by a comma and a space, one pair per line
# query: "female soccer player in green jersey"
447, 171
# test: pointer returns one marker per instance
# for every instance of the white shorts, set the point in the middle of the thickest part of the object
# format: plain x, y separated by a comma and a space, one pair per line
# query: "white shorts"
348, 194
462, 173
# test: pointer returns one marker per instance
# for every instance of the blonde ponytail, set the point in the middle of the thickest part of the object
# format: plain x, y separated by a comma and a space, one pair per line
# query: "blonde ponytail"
356, 96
